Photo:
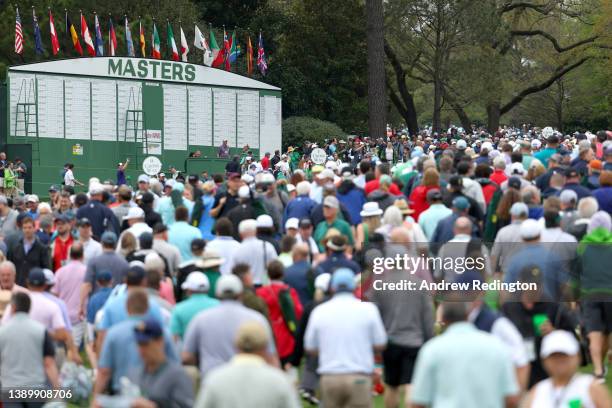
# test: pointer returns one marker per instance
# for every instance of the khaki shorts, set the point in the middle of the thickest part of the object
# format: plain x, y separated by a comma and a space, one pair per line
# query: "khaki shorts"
346, 390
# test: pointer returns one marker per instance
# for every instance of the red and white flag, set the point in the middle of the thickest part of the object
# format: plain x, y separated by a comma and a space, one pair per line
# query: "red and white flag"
87, 37
54, 40
184, 46
18, 34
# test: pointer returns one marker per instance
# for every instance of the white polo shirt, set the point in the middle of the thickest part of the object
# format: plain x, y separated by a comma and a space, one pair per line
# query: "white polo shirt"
344, 331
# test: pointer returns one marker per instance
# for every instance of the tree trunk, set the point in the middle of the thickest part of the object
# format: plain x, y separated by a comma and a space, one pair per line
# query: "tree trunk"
404, 102
559, 104
377, 98
493, 117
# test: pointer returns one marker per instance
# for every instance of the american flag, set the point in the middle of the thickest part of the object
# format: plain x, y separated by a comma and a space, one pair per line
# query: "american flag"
261, 57
18, 34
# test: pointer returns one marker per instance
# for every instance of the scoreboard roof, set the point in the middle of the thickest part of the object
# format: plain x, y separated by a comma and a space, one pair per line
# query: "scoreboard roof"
144, 69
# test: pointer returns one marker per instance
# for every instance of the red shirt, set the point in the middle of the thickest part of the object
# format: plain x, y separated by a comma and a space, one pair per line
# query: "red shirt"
60, 251
375, 184
488, 191
285, 342
265, 163
498, 177
418, 200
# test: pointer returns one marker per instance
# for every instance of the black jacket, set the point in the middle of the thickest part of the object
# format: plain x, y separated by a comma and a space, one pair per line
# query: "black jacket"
38, 256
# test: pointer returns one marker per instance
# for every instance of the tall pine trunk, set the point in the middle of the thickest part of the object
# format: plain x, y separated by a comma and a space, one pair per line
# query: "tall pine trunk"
377, 96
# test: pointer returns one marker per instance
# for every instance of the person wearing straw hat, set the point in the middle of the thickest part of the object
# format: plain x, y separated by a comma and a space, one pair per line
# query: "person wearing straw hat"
209, 264
566, 387
370, 222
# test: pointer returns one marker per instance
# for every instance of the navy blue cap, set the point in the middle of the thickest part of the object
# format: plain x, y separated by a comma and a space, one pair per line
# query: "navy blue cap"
36, 277
109, 237
104, 276
148, 330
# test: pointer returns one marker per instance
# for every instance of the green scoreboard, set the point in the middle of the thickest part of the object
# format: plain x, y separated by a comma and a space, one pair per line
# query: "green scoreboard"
96, 112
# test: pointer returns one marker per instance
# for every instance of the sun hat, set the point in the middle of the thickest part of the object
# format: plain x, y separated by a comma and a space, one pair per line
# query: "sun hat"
371, 209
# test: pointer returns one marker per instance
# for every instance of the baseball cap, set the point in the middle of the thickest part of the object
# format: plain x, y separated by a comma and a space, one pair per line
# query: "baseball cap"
343, 279
197, 282
244, 192
434, 195
519, 209
461, 144
147, 330
596, 164
326, 174
104, 276
231, 176
331, 201
135, 273
265, 221
62, 218
228, 284
517, 168
292, 223
109, 237
568, 196
49, 277
197, 245
83, 222
134, 213
32, 198
571, 172
461, 203
36, 277
559, 341
54, 188
96, 188
514, 182
456, 181
143, 178
322, 282
530, 229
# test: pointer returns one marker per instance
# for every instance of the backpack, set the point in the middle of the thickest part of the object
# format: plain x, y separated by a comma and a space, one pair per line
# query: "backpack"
288, 310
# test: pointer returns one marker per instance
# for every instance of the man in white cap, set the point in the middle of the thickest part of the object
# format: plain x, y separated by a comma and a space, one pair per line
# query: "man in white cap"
196, 286
211, 333
534, 254
136, 221
254, 252
346, 371
101, 217
566, 387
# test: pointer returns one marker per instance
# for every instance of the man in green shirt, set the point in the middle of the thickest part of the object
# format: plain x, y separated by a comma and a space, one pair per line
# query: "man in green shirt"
331, 205
196, 286
209, 264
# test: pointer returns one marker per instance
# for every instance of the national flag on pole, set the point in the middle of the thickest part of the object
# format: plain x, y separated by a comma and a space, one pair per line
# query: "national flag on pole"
87, 37
99, 39
227, 46
184, 46
261, 56
74, 36
18, 34
172, 44
141, 39
54, 40
220, 56
235, 49
112, 38
249, 57
38, 46
200, 43
155, 44
128, 39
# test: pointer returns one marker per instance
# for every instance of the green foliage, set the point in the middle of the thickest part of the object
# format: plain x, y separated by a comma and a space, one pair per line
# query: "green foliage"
298, 129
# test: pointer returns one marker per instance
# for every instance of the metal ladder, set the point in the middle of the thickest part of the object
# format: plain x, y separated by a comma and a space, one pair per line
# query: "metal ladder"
134, 126
26, 115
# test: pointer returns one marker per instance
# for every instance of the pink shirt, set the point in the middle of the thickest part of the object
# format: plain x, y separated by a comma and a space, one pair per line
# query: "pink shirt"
68, 281
44, 311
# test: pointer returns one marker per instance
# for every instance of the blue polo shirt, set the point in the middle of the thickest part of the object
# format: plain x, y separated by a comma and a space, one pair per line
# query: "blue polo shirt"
115, 311
299, 208
120, 350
